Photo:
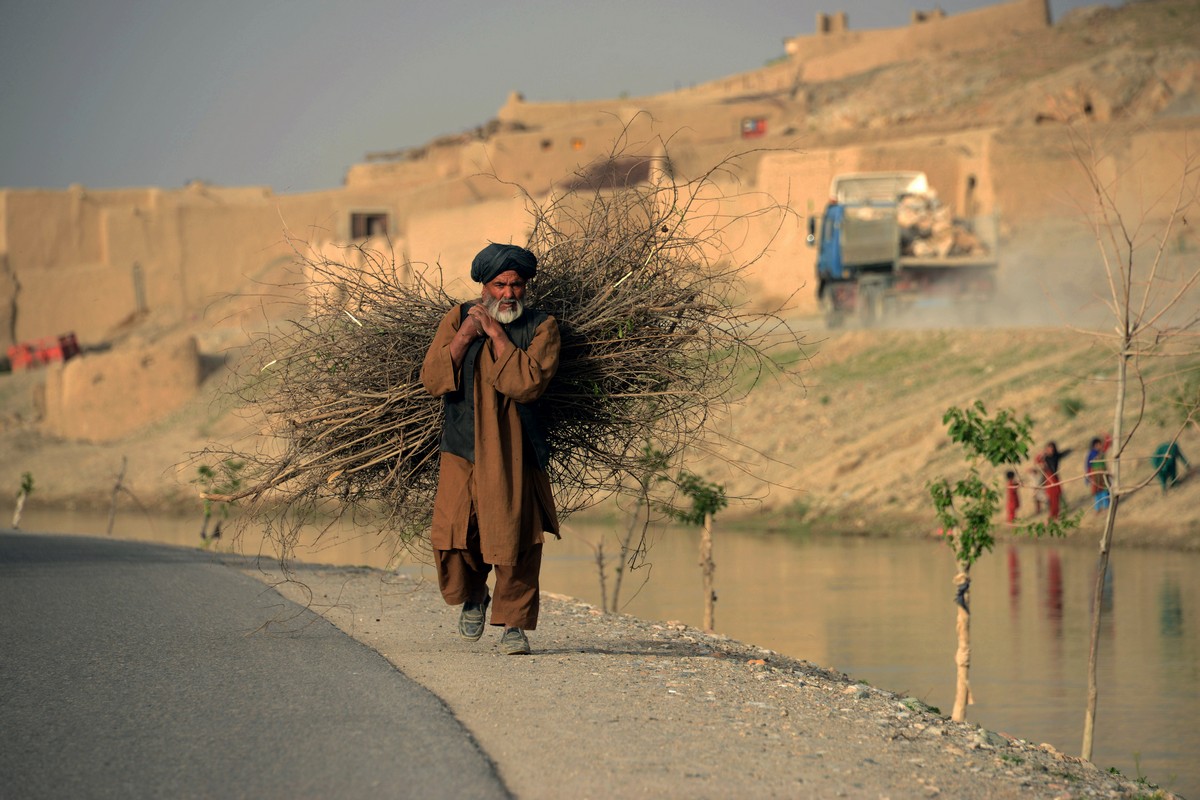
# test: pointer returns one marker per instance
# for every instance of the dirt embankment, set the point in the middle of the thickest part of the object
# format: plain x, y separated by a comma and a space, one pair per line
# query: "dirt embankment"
847, 446
854, 447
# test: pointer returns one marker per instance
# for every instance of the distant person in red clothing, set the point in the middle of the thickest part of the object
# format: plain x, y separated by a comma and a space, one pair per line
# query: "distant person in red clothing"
1012, 497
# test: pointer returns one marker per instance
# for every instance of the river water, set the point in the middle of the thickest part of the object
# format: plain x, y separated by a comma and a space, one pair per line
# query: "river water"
881, 610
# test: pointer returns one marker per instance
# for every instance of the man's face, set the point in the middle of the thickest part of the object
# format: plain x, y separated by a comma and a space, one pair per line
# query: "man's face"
504, 296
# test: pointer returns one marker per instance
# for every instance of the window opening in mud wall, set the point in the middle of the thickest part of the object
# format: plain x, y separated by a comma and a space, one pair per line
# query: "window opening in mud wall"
368, 223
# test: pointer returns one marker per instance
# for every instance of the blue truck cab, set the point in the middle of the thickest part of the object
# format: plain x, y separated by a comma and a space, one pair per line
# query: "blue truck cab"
865, 264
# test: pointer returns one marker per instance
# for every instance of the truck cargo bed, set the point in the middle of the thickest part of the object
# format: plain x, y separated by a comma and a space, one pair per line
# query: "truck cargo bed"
949, 262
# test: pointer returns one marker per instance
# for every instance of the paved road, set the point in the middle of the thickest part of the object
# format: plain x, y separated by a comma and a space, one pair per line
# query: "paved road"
134, 670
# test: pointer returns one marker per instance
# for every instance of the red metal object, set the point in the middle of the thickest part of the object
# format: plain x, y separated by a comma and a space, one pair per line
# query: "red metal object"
38, 352
753, 127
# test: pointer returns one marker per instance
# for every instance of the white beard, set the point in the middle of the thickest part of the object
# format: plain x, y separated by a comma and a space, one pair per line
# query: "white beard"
500, 315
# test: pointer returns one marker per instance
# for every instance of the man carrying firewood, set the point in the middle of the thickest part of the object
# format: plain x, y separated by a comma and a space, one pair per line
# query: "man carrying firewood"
490, 361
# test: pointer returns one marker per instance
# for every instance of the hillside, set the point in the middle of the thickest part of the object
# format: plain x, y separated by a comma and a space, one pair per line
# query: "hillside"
1134, 62
849, 451
853, 448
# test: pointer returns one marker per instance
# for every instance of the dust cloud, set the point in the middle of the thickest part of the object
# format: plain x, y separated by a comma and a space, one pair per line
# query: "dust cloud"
1052, 277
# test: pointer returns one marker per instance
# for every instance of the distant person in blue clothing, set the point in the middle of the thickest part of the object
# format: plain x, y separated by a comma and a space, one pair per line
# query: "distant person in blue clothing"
1097, 477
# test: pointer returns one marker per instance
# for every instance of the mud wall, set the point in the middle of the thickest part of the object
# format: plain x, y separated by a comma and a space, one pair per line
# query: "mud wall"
450, 238
90, 261
100, 397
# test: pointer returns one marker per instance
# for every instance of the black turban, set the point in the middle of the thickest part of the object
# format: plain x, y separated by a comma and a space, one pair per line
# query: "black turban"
497, 258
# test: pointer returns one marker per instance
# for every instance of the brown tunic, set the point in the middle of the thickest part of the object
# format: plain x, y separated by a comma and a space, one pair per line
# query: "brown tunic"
510, 495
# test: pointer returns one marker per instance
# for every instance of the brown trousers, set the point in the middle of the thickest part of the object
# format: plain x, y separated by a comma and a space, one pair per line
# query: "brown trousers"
462, 575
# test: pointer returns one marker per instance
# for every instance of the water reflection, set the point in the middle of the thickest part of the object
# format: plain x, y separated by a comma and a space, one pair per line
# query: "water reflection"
1170, 614
1054, 599
882, 611
1014, 579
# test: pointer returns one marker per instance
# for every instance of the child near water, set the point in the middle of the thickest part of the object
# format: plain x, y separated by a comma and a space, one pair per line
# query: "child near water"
1012, 496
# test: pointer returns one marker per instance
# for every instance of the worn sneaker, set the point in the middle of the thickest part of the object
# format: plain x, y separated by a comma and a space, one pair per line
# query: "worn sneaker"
514, 643
471, 620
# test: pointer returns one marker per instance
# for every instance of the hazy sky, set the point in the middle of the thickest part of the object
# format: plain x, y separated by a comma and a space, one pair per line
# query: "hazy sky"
289, 93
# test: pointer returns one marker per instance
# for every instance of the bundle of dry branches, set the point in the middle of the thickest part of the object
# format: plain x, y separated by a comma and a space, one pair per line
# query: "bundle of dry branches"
633, 266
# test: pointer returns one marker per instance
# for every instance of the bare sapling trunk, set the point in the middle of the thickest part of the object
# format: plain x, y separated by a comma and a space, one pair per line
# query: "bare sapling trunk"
623, 560
707, 567
1093, 693
1110, 523
1153, 282
962, 657
117, 487
600, 568
16, 523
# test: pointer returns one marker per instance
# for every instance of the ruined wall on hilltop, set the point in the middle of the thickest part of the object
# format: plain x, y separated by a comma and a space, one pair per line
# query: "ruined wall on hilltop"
780, 77
517, 111
714, 112
424, 166
840, 53
535, 160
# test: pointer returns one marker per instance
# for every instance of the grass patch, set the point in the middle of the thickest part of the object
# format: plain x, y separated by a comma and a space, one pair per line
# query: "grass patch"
913, 704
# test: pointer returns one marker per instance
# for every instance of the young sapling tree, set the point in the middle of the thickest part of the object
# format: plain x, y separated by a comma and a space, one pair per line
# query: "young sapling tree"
221, 481
22, 494
967, 507
706, 500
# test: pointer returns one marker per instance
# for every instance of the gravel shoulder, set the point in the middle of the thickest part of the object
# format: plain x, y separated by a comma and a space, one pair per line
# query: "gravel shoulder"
614, 706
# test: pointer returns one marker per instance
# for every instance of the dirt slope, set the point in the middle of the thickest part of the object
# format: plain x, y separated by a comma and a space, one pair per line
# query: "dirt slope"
853, 448
847, 446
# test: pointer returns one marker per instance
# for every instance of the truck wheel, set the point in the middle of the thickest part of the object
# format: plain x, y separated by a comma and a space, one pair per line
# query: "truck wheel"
834, 314
870, 305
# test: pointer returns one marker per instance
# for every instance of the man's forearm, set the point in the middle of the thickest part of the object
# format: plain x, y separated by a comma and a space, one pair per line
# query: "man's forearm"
458, 350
